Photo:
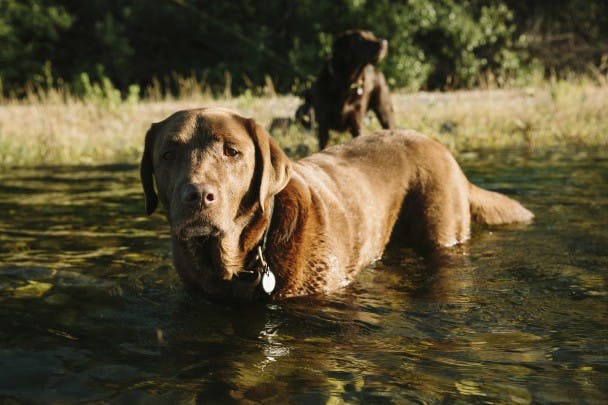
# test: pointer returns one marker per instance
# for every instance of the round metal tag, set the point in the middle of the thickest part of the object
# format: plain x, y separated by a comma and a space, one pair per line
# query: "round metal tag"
268, 281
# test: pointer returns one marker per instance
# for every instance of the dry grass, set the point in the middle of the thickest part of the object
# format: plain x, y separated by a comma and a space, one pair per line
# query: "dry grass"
564, 114
58, 129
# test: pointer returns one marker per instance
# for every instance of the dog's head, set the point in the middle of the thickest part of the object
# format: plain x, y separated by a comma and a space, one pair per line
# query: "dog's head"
354, 49
212, 167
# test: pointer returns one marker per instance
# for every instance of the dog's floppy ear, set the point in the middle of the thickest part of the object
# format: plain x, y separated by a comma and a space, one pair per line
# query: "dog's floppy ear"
272, 166
146, 170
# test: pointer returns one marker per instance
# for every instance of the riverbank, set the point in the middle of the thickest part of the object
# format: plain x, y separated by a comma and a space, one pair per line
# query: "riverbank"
60, 130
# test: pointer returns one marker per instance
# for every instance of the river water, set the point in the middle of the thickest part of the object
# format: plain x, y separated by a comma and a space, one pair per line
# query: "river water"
91, 309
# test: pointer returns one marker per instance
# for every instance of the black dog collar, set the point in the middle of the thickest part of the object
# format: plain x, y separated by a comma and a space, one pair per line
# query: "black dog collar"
257, 270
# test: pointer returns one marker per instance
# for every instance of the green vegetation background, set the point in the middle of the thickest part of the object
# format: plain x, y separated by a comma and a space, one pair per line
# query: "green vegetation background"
145, 48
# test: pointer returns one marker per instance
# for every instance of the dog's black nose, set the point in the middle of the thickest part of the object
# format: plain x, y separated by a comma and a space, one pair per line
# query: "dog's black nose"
196, 194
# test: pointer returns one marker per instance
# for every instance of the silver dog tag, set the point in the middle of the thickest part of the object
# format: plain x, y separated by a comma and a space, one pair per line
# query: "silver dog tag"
268, 281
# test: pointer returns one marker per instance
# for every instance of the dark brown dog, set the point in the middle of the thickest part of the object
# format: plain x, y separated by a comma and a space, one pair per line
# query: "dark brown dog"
230, 192
348, 86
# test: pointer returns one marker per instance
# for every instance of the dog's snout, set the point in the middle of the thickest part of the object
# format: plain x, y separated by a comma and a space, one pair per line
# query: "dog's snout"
196, 194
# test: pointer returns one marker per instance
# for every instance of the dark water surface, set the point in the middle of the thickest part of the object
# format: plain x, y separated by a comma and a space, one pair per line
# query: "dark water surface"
91, 310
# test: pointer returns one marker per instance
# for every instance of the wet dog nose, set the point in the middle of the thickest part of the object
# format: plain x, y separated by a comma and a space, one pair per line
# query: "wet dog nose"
196, 194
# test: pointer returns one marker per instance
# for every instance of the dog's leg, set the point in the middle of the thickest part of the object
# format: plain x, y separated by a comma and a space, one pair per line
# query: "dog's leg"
355, 126
437, 217
380, 103
323, 133
384, 110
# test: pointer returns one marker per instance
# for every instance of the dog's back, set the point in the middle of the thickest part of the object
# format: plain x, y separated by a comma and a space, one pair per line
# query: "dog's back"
404, 179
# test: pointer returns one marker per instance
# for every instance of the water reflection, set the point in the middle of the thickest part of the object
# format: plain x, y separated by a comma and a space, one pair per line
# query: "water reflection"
91, 309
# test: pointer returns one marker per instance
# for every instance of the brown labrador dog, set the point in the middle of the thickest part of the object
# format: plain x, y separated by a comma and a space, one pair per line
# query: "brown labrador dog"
348, 86
246, 222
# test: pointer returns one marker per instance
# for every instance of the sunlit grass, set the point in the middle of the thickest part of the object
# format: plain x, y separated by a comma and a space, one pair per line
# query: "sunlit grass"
58, 128
560, 114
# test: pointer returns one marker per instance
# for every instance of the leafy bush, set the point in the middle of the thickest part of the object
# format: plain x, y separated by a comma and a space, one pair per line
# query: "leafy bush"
30, 32
237, 45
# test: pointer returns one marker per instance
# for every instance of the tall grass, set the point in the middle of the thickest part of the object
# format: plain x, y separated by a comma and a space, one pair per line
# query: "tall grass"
552, 115
101, 126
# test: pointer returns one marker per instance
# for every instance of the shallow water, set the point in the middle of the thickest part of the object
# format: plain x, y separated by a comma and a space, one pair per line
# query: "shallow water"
91, 310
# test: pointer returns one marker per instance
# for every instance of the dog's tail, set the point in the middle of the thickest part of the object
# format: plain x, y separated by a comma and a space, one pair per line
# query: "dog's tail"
491, 208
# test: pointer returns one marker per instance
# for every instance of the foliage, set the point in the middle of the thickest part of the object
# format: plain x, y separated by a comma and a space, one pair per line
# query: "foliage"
30, 32
438, 44
280, 45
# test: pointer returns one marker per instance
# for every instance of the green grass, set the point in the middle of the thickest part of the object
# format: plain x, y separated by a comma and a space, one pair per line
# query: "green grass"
54, 127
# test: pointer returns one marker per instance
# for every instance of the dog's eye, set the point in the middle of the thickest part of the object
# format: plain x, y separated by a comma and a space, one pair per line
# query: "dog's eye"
230, 151
169, 155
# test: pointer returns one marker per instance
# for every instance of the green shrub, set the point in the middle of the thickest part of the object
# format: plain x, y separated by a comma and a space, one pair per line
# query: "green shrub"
434, 44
